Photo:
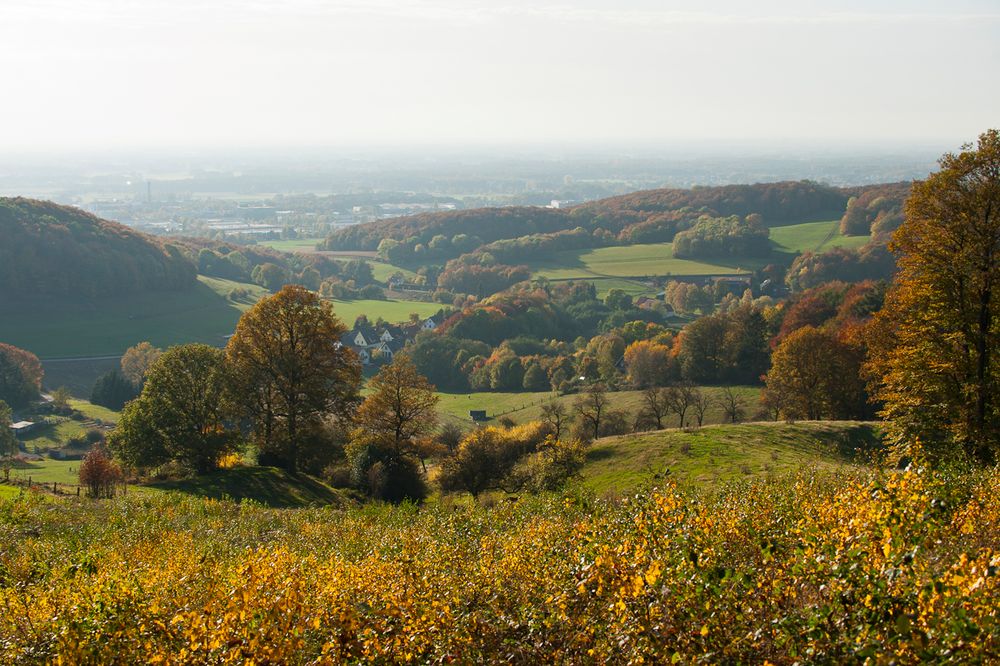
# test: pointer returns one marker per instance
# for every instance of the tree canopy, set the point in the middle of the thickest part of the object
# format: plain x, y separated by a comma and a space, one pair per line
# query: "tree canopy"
290, 371
934, 361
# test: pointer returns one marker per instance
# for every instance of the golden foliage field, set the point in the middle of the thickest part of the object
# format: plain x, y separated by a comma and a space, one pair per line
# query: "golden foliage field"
876, 566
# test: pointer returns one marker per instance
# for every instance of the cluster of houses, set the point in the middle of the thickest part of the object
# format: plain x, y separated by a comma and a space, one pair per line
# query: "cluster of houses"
379, 344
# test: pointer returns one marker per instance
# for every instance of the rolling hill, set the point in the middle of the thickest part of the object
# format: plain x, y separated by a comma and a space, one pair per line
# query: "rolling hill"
51, 250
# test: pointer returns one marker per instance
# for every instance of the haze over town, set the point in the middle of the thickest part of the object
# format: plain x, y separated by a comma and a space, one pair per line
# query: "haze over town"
108, 76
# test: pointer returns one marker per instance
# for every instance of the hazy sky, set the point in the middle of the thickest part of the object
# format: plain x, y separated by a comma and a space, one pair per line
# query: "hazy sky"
263, 73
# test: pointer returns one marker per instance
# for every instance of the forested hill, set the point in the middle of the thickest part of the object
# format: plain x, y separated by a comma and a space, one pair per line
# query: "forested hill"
646, 216
52, 250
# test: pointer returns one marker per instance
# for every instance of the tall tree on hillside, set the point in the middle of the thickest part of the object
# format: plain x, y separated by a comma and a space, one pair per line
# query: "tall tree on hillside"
933, 357
592, 407
290, 371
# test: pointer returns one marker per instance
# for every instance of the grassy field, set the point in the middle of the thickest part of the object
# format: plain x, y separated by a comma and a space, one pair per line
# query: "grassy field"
522, 407
95, 412
63, 472
74, 327
656, 259
813, 237
632, 261
708, 457
297, 245
390, 310
53, 435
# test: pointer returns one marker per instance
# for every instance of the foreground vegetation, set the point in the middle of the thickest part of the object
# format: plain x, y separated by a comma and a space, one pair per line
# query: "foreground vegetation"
827, 568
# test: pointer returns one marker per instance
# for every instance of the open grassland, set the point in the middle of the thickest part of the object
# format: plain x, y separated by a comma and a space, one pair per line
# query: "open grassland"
648, 259
527, 406
813, 237
95, 412
297, 245
825, 567
53, 434
713, 455
76, 327
390, 310
63, 472
656, 259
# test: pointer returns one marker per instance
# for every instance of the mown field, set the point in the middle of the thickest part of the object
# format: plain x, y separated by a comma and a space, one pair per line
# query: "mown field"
854, 566
390, 310
813, 237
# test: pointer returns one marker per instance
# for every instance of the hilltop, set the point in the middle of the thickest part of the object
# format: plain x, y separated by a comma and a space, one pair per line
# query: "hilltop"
51, 250
645, 216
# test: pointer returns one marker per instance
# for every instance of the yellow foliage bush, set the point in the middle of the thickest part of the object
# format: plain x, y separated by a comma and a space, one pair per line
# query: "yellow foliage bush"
876, 567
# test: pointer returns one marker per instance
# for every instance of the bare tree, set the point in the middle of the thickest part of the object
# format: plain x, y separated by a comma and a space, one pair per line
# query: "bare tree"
656, 404
680, 399
701, 402
733, 405
556, 415
591, 407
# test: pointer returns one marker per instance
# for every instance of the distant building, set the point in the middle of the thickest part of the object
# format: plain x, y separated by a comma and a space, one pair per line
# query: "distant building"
22, 427
562, 203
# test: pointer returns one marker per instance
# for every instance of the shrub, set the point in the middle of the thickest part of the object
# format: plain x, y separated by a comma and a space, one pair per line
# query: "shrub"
100, 475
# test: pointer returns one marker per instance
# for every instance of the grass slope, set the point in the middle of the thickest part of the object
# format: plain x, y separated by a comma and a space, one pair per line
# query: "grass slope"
813, 237
63, 472
73, 327
268, 485
709, 456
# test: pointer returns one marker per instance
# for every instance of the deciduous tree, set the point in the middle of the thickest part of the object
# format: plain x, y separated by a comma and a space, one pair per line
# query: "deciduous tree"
815, 376
137, 361
289, 370
933, 358
180, 414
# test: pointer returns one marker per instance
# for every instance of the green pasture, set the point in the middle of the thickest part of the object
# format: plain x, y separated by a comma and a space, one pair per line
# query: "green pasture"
708, 457
81, 327
297, 245
389, 310
647, 259
813, 237
527, 406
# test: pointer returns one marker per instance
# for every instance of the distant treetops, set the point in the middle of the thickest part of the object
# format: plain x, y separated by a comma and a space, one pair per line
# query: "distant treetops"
52, 250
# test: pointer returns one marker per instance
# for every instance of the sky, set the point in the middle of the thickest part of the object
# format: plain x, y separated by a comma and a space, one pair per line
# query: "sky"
129, 74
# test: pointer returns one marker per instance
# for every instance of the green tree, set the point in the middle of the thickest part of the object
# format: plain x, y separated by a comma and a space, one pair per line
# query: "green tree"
289, 371
180, 413
933, 357
113, 390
